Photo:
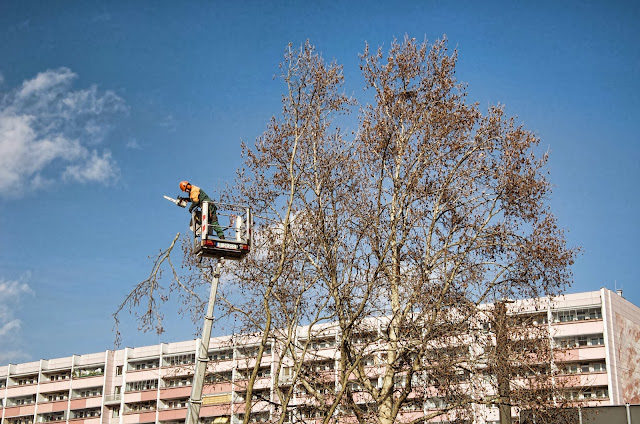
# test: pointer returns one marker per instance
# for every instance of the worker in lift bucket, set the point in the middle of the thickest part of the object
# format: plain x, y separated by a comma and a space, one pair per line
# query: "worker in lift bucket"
197, 196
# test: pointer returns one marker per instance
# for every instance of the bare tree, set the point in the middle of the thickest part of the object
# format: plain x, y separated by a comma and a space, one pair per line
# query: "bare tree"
390, 241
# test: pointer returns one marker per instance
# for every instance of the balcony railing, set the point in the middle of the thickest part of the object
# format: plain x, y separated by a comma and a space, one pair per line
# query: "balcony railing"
114, 397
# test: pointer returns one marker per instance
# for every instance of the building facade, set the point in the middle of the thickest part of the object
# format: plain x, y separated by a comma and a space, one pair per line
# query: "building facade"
599, 330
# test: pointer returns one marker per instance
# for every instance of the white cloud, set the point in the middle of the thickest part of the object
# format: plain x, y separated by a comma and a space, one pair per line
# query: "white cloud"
12, 356
133, 144
11, 292
46, 83
10, 326
48, 133
95, 168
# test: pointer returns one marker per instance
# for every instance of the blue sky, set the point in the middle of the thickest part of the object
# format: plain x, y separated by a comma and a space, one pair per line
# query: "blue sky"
105, 107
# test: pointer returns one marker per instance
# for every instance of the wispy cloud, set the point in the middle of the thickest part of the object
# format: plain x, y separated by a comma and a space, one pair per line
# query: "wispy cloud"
49, 132
169, 123
11, 293
133, 144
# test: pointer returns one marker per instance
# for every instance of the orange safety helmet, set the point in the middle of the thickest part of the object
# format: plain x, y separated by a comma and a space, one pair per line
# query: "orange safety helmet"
184, 185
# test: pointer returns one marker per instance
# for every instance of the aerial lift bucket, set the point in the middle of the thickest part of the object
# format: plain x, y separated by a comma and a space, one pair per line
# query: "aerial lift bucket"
235, 242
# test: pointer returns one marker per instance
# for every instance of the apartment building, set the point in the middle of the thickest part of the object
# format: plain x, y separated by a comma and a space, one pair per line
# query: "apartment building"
600, 331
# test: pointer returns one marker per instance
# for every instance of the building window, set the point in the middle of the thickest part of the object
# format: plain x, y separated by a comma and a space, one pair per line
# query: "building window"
178, 382
144, 365
86, 413
141, 406
367, 361
218, 377
52, 416
19, 420
59, 376
221, 355
580, 341
577, 314
55, 397
584, 367
180, 360
246, 374
119, 370
23, 381
323, 343
136, 386
23, 400
88, 392
177, 403
256, 418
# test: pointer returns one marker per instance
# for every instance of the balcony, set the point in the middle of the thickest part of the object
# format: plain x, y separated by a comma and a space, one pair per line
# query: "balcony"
112, 398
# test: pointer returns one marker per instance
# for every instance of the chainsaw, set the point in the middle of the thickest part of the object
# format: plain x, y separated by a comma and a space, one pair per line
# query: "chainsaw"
180, 201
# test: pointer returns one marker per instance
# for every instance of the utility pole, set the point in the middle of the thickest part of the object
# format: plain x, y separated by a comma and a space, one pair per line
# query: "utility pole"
202, 356
502, 361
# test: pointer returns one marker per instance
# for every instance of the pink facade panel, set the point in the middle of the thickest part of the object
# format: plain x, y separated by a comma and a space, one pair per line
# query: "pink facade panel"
131, 418
215, 410
45, 407
149, 395
582, 354
132, 397
587, 380
216, 388
84, 382
150, 374
220, 366
170, 372
55, 386
56, 406
172, 414
52, 407
589, 353
78, 404
578, 327
175, 392
261, 407
147, 417
258, 407
16, 391
93, 402
17, 411
260, 383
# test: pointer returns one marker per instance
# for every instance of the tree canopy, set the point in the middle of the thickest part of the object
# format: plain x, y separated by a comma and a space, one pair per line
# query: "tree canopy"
396, 237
